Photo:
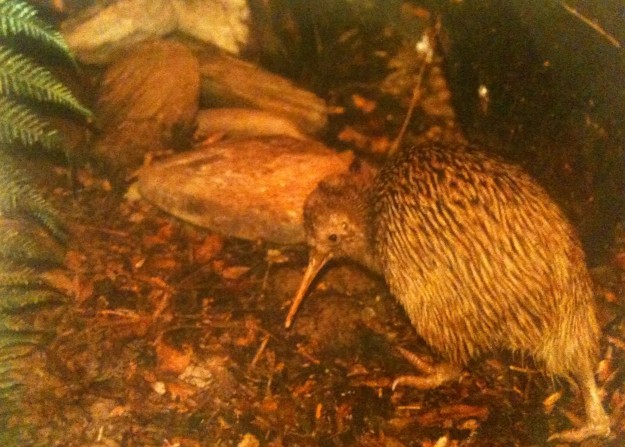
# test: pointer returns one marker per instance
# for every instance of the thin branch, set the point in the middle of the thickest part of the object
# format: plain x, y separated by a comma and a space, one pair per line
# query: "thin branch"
426, 47
591, 23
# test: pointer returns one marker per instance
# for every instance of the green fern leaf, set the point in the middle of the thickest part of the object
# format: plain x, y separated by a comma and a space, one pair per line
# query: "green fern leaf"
18, 350
8, 387
16, 344
13, 323
19, 124
8, 384
5, 373
14, 299
17, 196
12, 274
25, 214
19, 244
21, 76
19, 19
25, 241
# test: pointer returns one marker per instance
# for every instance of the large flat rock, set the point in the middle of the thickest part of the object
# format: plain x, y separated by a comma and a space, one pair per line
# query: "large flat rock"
251, 189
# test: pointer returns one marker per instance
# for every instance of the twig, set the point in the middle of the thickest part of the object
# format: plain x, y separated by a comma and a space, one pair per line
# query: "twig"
102, 230
416, 93
522, 370
426, 47
260, 351
609, 37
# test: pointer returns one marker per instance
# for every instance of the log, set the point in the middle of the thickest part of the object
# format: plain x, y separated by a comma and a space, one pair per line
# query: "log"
231, 82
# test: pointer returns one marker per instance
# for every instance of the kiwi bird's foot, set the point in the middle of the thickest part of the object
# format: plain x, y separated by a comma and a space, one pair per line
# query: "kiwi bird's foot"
577, 435
433, 374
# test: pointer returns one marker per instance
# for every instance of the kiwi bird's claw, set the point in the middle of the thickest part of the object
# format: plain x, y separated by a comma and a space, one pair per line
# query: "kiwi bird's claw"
434, 374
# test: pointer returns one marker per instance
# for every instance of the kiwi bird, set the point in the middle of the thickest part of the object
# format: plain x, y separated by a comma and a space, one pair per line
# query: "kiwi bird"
478, 255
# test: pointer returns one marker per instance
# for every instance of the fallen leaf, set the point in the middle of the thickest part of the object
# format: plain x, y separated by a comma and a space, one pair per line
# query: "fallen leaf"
305, 389
170, 359
119, 410
319, 411
84, 178
343, 416
275, 257
167, 262
163, 236
551, 400
380, 145
364, 104
197, 375
180, 391
218, 266
249, 440
208, 249
185, 442
234, 272
442, 415
357, 370
250, 336
159, 388
269, 405
352, 136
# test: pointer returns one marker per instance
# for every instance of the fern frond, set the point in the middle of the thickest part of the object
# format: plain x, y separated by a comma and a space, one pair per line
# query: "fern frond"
24, 242
22, 247
18, 19
16, 344
19, 124
20, 243
12, 274
8, 384
5, 372
17, 196
13, 323
19, 350
21, 76
8, 388
15, 299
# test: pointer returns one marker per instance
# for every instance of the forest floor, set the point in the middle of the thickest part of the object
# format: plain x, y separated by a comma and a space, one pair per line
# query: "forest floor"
174, 336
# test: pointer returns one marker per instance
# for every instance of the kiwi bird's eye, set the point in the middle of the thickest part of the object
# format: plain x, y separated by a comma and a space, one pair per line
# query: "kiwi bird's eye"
333, 238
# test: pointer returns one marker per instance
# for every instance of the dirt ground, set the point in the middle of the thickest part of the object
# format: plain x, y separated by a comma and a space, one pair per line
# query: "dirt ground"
174, 336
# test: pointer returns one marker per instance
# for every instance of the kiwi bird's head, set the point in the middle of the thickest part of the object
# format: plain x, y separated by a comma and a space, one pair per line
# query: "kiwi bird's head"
336, 222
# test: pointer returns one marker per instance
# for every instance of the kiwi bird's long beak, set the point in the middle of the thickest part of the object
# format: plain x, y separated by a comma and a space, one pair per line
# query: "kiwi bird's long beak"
316, 261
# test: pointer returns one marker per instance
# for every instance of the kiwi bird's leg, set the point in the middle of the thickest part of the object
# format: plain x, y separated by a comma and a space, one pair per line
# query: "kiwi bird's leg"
316, 260
597, 421
434, 375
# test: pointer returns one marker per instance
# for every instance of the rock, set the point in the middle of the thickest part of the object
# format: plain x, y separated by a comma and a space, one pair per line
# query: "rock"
223, 23
236, 122
231, 82
251, 189
100, 33
147, 102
